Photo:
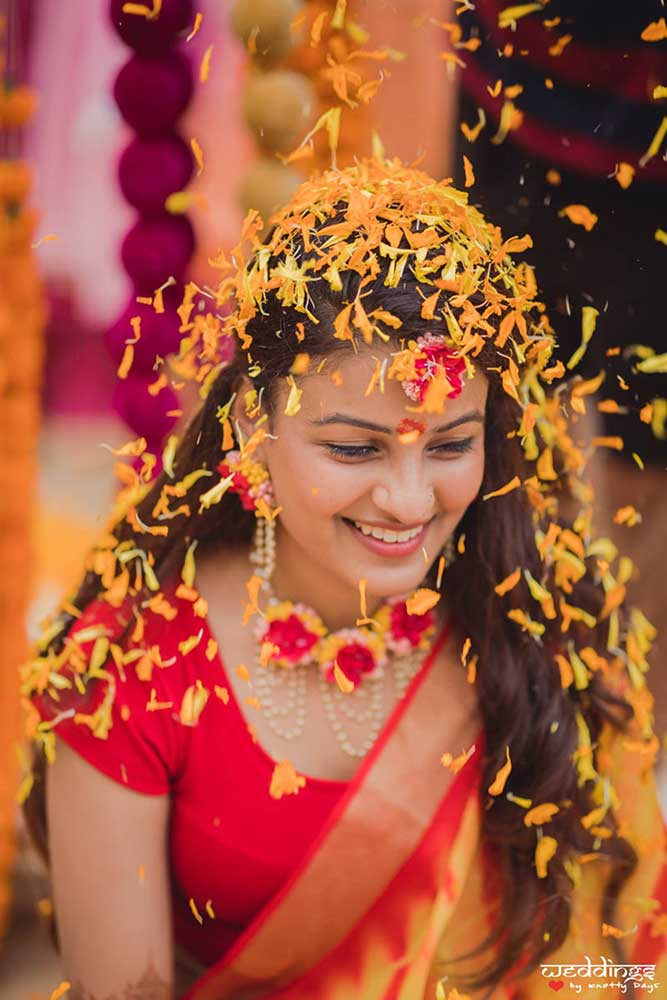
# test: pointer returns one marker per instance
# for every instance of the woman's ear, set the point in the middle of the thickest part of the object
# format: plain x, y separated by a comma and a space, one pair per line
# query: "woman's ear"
245, 409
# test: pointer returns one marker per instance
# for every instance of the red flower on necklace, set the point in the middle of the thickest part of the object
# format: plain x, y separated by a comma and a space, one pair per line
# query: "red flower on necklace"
406, 632
355, 660
291, 636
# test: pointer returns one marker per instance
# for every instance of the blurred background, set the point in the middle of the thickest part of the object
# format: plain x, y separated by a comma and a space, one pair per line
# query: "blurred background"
133, 139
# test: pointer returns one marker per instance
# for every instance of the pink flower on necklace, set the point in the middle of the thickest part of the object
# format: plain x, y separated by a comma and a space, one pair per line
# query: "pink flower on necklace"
434, 356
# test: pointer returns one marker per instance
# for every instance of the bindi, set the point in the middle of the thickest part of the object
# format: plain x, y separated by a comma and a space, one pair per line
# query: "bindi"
409, 430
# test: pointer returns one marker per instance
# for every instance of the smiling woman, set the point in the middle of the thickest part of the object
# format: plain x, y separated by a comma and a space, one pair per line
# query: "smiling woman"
390, 737
332, 471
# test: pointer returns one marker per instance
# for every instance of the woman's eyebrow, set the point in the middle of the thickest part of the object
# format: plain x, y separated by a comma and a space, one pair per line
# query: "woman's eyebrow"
368, 425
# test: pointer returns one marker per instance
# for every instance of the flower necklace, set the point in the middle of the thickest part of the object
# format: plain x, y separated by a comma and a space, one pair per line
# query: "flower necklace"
292, 637
293, 634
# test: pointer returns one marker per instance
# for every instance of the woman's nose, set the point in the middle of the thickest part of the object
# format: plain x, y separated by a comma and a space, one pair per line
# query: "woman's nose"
408, 497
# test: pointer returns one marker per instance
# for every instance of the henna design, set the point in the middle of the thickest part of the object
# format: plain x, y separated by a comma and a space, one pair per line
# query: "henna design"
151, 986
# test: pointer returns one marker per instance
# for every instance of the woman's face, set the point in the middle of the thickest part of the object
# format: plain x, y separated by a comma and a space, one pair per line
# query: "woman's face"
342, 469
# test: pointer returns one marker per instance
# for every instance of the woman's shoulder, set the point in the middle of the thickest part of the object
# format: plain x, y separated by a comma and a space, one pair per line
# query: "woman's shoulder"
147, 651
125, 693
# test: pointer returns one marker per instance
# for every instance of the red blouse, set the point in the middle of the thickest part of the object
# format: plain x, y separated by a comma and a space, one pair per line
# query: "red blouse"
230, 842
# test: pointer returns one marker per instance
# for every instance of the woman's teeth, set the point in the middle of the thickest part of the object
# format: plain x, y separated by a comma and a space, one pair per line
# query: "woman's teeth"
388, 536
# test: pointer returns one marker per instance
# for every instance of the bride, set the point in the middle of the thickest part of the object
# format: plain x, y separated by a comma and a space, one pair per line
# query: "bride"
349, 701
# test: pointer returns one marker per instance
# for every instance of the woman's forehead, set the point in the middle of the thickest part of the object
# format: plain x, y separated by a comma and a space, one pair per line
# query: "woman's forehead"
346, 385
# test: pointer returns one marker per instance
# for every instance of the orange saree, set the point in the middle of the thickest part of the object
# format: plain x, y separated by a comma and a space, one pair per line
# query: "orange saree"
396, 882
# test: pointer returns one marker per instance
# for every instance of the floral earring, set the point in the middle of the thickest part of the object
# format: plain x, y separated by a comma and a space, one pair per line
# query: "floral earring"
252, 482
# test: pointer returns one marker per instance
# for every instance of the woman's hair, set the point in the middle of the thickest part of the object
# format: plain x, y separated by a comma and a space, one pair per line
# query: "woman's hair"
539, 528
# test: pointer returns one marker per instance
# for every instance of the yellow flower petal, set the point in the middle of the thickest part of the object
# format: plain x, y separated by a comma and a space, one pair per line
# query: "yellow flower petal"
656, 31
198, 154
422, 601
342, 680
205, 65
544, 852
193, 703
507, 488
285, 780
469, 172
580, 215
508, 583
498, 784
625, 172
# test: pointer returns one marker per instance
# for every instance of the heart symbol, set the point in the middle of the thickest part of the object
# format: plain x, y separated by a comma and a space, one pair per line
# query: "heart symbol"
556, 985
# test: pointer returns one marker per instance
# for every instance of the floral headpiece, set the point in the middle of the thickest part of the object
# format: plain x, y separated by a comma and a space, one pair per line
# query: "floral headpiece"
434, 358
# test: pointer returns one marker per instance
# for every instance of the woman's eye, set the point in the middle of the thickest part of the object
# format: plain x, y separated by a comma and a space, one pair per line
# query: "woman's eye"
349, 450
363, 451
465, 444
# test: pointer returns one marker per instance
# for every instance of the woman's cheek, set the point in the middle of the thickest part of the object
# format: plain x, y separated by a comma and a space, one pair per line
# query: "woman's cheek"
308, 485
460, 482
337, 487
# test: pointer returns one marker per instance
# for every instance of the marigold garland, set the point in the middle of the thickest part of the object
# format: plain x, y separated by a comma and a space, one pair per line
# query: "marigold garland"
308, 68
22, 319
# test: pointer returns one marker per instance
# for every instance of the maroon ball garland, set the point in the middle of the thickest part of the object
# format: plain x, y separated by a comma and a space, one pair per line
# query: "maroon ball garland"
152, 90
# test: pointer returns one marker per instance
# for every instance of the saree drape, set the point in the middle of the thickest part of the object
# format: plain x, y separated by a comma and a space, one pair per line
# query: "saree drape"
399, 881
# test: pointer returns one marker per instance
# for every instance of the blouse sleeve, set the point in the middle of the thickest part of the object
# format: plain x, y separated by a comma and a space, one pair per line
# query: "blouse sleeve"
125, 722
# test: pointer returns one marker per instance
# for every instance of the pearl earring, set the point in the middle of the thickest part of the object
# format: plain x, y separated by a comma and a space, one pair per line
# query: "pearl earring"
263, 555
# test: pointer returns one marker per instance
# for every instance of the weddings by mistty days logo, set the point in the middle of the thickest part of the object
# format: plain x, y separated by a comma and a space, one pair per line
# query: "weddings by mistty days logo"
602, 975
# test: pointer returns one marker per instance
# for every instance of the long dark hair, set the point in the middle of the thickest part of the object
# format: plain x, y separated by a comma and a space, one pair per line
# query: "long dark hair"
521, 695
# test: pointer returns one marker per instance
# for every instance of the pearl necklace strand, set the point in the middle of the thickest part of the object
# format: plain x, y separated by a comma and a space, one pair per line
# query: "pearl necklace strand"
286, 713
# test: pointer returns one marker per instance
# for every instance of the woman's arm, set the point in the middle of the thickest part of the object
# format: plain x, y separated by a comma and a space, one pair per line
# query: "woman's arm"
108, 847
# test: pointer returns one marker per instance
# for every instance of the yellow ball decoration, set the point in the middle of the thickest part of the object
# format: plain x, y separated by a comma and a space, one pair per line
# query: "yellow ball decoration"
268, 185
279, 106
265, 26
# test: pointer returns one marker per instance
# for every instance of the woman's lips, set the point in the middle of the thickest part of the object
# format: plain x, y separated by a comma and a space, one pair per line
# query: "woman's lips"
389, 548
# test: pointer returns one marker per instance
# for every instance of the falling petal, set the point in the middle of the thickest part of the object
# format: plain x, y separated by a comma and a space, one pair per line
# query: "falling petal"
498, 784
656, 142
580, 215
205, 66
656, 31
198, 154
199, 17
422, 601
544, 852
508, 583
513, 484
285, 780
